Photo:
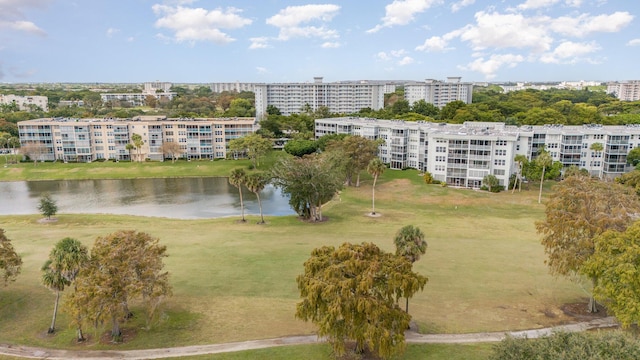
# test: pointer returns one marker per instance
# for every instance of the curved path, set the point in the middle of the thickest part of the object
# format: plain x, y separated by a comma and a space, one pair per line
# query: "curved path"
412, 337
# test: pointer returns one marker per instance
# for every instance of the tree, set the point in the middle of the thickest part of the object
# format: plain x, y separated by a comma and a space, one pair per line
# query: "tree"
448, 111
123, 266
424, 108
61, 268
238, 178
633, 157
256, 183
375, 168
253, 145
543, 161
34, 151
137, 141
47, 206
492, 183
597, 147
130, 147
579, 210
309, 181
10, 261
410, 244
357, 151
616, 264
300, 147
172, 149
351, 293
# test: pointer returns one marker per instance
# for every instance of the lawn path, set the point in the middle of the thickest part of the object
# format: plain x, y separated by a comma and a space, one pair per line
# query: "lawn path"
412, 337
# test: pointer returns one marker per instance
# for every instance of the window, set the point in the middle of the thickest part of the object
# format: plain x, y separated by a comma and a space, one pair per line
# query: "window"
441, 158
498, 172
499, 162
501, 142
500, 152
441, 149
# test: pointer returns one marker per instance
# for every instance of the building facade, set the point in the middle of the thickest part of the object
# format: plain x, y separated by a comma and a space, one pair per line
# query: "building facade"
26, 103
339, 97
439, 93
86, 140
626, 90
463, 154
159, 90
232, 87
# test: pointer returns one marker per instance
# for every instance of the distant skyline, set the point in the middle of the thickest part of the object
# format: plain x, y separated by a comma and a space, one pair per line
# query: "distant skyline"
191, 41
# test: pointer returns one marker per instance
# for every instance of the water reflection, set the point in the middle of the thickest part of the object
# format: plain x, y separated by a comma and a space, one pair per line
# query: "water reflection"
182, 198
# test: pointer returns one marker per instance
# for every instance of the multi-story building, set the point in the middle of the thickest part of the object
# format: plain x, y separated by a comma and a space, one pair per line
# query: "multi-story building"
86, 140
463, 154
159, 90
339, 97
439, 93
232, 87
26, 103
626, 90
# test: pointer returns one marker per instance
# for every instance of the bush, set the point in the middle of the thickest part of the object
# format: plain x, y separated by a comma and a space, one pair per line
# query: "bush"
613, 345
428, 178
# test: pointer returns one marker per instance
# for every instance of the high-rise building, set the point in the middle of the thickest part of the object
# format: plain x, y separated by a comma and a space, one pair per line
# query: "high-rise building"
626, 90
439, 93
26, 103
339, 97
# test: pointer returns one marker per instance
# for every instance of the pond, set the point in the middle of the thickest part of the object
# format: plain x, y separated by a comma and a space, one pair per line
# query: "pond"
180, 198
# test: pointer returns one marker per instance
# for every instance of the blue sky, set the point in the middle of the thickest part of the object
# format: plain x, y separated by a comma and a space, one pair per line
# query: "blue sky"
191, 41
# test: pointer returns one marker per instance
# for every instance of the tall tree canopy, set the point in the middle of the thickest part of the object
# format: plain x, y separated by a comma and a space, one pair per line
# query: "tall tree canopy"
10, 261
253, 146
124, 265
357, 151
578, 211
310, 181
351, 293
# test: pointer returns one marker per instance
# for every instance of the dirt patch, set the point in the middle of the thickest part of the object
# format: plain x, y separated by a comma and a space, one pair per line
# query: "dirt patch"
579, 311
127, 335
48, 221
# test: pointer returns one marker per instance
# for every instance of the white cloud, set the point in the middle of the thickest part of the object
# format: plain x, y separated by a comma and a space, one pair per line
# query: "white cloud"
584, 24
290, 19
401, 12
490, 66
383, 56
406, 61
392, 55
261, 70
495, 30
536, 4
198, 24
259, 43
131, 39
455, 7
569, 52
112, 31
634, 42
331, 45
12, 15
434, 44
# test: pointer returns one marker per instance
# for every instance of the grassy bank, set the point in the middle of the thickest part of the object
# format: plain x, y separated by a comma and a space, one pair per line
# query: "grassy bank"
123, 169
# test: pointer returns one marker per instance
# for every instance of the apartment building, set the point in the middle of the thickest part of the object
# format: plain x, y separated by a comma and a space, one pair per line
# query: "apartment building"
626, 90
232, 87
86, 140
159, 90
439, 93
26, 103
340, 97
463, 154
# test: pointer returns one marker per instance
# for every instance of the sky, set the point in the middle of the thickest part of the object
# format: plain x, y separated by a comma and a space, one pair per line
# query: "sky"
272, 41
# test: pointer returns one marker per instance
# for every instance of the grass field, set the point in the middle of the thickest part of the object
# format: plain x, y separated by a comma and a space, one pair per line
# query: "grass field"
235, 281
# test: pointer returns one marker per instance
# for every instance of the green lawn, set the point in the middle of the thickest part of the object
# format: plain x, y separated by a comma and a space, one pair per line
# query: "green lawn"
235, 281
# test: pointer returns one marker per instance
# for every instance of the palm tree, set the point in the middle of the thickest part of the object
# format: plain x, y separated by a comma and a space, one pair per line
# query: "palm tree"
521, 160
375, 168
130, 147
54, 280
66, 259
597, 147
137, 142
410, 244
543, 160
237, 178
256, 183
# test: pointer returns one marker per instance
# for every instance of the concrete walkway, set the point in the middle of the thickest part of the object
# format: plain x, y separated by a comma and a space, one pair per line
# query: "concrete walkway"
412, 337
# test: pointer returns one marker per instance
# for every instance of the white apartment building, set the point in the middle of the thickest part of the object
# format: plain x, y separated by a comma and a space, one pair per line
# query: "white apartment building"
26, 103
340, 97
439, 93
86, 140
159, 90
232, 87
626, 90
463, 154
